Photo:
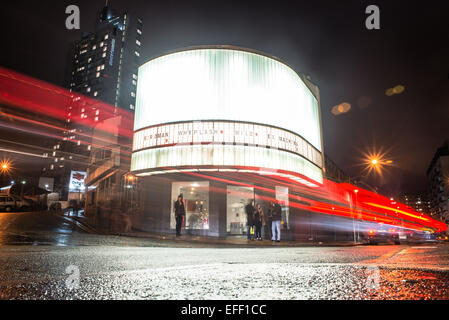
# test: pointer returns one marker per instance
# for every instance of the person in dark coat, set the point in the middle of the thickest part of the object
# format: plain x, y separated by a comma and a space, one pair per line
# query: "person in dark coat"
258, 221
276, 224
180, 213
268, 222
249, 209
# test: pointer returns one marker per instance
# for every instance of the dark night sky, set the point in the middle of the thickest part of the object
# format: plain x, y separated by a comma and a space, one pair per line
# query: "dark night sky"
326, 39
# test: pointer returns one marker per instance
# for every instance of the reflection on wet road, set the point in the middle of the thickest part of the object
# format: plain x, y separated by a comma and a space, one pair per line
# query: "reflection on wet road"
111, 267
35, 228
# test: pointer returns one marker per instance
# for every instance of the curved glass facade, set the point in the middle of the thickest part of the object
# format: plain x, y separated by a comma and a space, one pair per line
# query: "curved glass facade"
225, 84
225, 107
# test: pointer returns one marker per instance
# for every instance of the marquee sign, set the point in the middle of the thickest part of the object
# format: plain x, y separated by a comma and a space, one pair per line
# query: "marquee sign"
225, 132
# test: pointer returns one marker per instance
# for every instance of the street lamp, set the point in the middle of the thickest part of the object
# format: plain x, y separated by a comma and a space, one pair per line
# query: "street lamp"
375, 161
5, 166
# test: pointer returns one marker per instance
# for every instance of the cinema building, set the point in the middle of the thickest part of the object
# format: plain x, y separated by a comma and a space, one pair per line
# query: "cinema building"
222, 125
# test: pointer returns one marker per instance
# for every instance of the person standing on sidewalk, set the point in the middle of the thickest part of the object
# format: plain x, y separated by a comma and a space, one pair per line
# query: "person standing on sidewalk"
258, 220
276, 225
180, 213
249, 209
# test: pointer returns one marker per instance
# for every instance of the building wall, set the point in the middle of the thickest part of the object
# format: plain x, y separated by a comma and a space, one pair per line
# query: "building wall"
438, 183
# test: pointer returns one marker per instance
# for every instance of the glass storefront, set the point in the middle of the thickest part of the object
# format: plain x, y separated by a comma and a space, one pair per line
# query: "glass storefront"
196, 201
236, 200
282, 197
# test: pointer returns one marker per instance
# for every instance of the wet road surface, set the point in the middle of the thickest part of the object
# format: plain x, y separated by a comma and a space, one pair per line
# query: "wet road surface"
48, 257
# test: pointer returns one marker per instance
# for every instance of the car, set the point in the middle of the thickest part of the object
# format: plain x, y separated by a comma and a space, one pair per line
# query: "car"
9, 203
383, 234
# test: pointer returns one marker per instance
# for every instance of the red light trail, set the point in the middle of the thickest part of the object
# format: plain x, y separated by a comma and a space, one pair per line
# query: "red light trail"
344, 200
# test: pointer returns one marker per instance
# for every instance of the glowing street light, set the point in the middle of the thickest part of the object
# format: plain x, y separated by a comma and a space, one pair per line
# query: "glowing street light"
376, 162
5, 166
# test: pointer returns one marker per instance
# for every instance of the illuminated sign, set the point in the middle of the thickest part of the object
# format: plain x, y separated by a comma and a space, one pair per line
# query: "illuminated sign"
203, 155
77, 181
225, 132
225, 84
225, 107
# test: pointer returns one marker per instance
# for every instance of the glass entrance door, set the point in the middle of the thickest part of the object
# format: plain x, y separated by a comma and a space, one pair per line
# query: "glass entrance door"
236, 200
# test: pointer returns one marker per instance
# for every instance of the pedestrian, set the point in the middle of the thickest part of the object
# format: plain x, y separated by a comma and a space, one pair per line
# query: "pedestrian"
180, 213
258, 221
276, 224
249, 209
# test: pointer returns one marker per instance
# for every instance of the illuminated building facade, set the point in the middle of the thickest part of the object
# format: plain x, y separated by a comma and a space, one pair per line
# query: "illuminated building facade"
211, 123
419, 203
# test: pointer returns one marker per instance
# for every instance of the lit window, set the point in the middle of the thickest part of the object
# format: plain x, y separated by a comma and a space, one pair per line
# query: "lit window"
101, 44
96, 118
131, 107
104, 49
98, 74
97, 112
102, 67
104, 55
138, 42
98, 68
95, 93
137, 54
133, 94
94, 47
134, 82
106, 37
139, 31
89, 147
134, 76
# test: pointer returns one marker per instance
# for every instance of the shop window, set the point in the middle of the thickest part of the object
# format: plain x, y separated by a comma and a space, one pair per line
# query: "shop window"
236, 201
282, 197
196, 201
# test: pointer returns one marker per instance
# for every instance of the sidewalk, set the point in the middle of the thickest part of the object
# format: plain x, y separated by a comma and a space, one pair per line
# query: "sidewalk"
237, 241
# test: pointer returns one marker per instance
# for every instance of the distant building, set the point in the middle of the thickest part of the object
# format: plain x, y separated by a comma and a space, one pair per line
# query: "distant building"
104, 66
438, 182
419, 203
334, 172
105, 62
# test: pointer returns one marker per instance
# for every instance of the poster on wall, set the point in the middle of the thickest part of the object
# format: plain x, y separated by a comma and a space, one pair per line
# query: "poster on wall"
77, 181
